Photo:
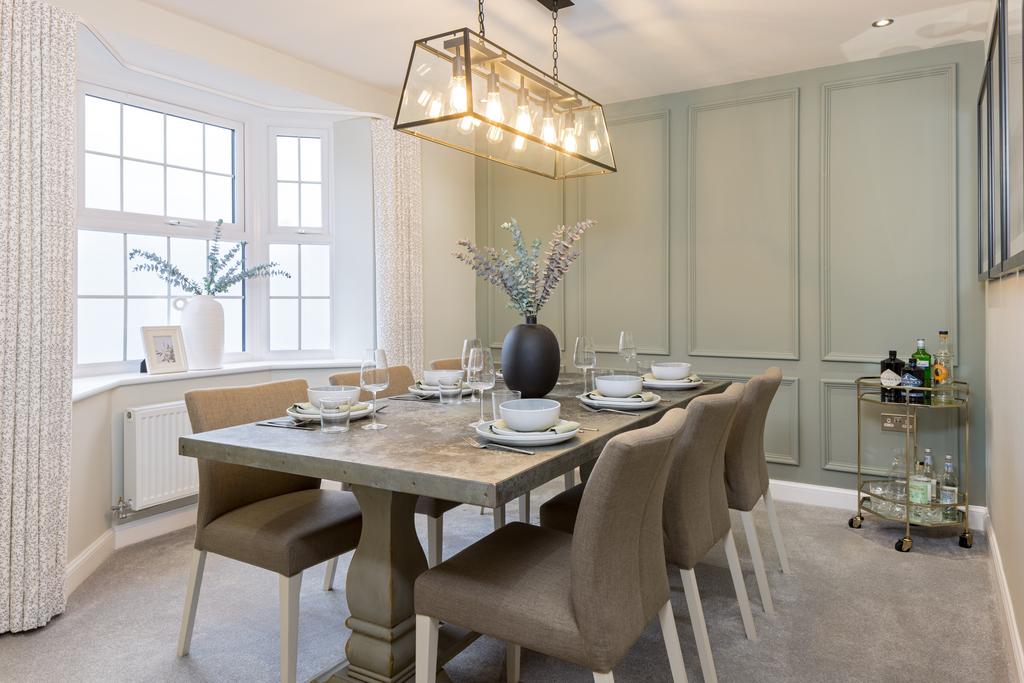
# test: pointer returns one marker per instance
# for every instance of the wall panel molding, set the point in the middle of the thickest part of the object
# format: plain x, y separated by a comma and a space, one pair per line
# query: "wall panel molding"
828, 388
791, 350
828, 90
791, 384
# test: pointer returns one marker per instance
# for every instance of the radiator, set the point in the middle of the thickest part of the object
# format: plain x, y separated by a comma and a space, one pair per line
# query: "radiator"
154, 473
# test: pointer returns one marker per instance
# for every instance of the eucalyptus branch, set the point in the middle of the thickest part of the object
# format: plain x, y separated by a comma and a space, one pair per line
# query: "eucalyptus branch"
166, 271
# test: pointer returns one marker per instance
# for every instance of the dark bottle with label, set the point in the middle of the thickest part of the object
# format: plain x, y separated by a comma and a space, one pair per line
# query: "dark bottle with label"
892, 371
913, 376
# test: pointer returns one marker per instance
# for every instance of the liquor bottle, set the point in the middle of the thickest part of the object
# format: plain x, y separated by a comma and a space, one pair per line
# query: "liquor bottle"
923, 361
942, 371
929, 474
949, 493
919, 491
892, 375
912, 377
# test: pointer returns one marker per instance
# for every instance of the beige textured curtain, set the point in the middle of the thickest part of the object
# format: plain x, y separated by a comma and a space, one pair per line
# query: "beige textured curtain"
37, 238
398, 229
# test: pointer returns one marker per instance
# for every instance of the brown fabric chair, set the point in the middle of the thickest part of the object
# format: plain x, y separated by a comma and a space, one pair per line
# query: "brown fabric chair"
446, 364
280, 522
400, 378
746, 472
585, 597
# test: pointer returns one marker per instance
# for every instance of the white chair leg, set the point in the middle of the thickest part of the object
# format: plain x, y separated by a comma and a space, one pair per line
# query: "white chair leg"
758, 560
524, 508
329, 572
499, 517
570, 479
426, 649
700, 628
289, 587
512, 653
773, 522
435, 540
604, 678
671, 638
739, 585
188, 619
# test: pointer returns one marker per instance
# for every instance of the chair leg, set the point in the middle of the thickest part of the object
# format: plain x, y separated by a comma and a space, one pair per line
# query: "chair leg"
426, 649
773, 522
512, 653
499, 517
435, 540
188, 619
604, 678
671, 638
524, 508
700, 628
758, 560
739, 585
329, 572
570, 479
289, 587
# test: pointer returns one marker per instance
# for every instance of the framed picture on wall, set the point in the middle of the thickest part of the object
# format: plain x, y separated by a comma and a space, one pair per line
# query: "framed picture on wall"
984, 177
1012, 242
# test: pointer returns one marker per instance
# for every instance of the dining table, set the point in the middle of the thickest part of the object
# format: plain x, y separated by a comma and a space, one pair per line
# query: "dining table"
423, 452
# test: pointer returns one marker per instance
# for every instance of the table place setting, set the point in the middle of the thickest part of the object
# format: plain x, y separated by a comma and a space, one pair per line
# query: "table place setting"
671, 376
619, 392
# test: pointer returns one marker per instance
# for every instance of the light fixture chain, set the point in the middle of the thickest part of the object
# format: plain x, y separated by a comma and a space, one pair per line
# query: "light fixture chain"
480, 16
554, 41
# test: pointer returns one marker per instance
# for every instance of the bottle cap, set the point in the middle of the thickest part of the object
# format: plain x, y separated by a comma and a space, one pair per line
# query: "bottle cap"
927, 450
920, 343
943, 331
892, 354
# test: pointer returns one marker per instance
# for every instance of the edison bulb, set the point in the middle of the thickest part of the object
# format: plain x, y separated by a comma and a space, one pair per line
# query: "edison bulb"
493, 110
519, 144
436, 107
548, 133
524, 119
466, 124
595, 143
569, 139
457, 93
494, 134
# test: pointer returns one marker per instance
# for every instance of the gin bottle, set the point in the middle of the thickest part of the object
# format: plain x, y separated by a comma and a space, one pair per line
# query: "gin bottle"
949, 492
942, 370
891, 376
929, 474
922, 361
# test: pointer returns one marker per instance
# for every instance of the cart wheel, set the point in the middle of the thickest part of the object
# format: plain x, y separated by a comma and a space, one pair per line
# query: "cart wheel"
905, 544
855, 521
966, 539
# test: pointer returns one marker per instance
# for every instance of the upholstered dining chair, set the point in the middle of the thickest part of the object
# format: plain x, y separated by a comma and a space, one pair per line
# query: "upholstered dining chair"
446, 364
281, 522
585, 597
746, 473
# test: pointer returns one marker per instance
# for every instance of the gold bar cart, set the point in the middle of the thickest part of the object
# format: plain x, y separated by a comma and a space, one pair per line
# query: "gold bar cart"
952, 396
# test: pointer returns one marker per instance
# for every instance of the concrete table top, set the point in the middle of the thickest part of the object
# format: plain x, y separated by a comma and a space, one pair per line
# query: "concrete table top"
423, 451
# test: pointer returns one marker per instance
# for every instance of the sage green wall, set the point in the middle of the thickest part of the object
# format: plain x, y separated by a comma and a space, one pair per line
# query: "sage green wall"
812, 221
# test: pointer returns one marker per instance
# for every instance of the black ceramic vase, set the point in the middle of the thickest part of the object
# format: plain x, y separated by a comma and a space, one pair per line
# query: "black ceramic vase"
530, 359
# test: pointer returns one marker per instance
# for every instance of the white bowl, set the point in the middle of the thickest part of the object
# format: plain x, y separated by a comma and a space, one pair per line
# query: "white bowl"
432, 377
335, 392
619, 386
530, 414
670, 371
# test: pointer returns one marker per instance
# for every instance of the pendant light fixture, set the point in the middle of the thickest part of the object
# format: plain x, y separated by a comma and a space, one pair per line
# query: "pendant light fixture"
465, 91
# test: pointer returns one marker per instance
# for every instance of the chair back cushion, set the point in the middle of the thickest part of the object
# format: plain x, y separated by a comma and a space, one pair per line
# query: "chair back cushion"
224, 487
696, 511
446, 364
399, 380
618, 578
746, 471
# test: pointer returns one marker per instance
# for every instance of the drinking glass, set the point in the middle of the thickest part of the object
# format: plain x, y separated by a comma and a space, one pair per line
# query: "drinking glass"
481, 376
502, 396
334, 414
627, 347
467, 347
449, 388
373, 377
584, 357
643, 367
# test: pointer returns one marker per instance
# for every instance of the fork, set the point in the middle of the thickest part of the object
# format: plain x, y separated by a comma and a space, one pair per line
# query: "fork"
607, 410
476, 444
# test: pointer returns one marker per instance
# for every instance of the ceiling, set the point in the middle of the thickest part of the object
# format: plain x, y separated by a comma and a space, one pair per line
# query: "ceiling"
613, 50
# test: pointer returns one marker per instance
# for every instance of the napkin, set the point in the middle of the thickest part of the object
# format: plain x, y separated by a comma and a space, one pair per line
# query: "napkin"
645, 396
310, 409
423, 386
649, 377
562, 427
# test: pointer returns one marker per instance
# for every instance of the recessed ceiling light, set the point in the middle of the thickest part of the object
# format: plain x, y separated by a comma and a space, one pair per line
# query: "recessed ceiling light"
882, 23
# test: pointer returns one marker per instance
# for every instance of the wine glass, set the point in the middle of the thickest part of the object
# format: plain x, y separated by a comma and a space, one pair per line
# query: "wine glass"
481, 376
584, 357
467, 346
627, 347
373, 377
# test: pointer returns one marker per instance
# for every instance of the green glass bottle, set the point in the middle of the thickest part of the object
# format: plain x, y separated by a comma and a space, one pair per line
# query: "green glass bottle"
923, 361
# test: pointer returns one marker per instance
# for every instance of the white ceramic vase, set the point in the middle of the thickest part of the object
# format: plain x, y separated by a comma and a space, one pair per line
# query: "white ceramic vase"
202, 325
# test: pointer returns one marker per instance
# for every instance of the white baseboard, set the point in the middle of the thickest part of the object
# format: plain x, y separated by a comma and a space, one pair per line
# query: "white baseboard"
1003, 588
88, 561
846, 499
146, 528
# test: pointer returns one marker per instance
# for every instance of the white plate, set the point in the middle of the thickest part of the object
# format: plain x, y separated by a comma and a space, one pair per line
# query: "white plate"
618, 403
466, 391
523, 439
305, 417
511, 432
675, 385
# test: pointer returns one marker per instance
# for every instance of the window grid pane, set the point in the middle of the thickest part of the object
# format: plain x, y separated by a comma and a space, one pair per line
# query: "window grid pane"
299, 176
300, 307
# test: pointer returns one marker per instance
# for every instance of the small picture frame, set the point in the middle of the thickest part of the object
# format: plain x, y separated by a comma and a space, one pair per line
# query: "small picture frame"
165, 349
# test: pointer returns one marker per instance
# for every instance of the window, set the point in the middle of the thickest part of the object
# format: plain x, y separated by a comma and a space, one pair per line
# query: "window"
114, 301
298, 172
300, 307
140, 160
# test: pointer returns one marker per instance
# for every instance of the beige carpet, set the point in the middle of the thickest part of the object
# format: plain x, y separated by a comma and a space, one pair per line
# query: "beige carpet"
852, 610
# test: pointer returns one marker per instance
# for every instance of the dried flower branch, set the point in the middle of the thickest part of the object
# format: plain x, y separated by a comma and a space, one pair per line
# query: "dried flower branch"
519, 272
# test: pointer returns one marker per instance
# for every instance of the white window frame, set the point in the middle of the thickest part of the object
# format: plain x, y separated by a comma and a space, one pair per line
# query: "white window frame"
124, 221
326, 185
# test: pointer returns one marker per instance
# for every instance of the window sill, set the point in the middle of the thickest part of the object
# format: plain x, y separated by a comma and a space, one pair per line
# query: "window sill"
84, 387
